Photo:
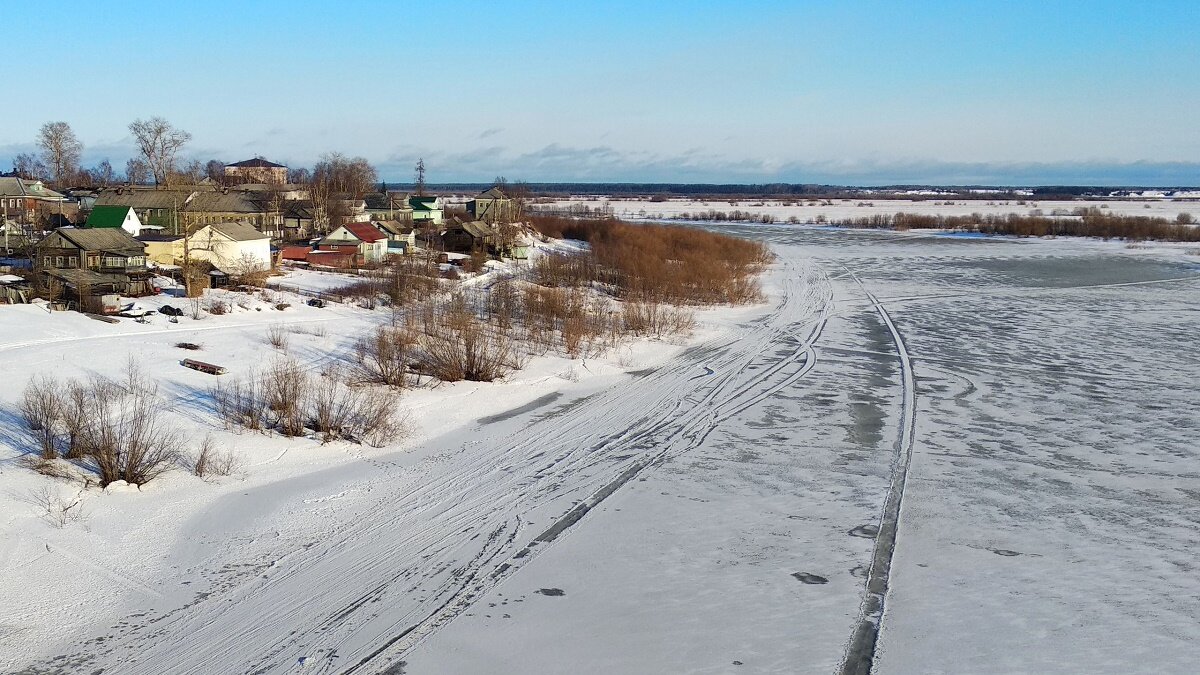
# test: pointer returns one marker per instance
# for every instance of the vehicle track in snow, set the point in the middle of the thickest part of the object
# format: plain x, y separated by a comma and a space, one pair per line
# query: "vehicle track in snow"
410, 549
860, 649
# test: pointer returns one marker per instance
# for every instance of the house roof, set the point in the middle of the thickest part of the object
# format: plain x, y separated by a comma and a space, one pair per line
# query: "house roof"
423, 203
113, 240
187, 201
393, 227
11, 186
365, 231
82, 277
239, 231
256, 163
492, 193
107, 216
223, 202
479, 229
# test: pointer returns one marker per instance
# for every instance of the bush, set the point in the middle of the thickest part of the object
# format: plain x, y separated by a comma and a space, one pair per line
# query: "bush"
292, 401
654, 263
386, 355
41, 408
277, 337
212, 461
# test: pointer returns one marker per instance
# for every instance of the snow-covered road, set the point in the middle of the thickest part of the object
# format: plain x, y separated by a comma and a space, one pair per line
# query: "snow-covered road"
996, 434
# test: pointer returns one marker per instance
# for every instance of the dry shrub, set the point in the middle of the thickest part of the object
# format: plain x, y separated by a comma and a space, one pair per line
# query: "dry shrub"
130, 440
241, 404
676, 265
217, 308
290, 400
285, 386
54, 509
387, 355
277, 337
41, 408
213, 461
652, 318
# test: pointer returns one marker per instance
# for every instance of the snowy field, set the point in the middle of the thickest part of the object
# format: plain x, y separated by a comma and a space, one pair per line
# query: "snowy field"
844, 209
998, 433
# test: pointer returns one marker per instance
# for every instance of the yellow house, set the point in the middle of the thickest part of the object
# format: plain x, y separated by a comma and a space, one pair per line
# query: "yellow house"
164, 249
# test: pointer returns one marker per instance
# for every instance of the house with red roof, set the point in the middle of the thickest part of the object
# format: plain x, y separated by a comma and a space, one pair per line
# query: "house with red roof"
364, 239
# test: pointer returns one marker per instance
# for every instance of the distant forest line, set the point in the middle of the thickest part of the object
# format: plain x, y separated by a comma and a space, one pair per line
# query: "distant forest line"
767, 190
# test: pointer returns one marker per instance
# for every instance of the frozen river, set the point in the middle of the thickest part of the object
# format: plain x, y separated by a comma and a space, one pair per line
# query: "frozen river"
981, 451
1051, 498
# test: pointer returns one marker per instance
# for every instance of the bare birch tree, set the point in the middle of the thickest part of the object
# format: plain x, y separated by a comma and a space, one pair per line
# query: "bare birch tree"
158, 142
60, 150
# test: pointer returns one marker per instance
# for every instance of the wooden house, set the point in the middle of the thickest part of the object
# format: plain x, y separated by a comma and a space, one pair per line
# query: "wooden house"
91, 263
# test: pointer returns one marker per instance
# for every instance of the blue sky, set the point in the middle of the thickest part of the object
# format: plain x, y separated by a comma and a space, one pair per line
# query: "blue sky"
1017, 92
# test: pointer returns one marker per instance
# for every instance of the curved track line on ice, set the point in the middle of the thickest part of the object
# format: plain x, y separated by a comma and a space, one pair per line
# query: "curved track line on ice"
411, 548
860, 649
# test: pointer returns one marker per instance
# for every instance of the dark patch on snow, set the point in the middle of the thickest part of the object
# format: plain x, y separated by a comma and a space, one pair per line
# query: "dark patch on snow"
552, 592
528, 407
1003, 552
807, 578
865, 531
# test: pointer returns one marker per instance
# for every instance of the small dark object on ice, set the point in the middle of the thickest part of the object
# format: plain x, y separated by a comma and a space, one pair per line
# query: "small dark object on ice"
316, 302
807, 578
187, 345
553, 592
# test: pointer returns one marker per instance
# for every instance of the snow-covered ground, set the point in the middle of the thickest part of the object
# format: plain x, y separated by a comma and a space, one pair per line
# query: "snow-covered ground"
845, 209
1029, 406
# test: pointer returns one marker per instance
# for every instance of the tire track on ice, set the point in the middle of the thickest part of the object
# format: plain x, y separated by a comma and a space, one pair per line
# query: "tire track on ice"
411, 550
860, 651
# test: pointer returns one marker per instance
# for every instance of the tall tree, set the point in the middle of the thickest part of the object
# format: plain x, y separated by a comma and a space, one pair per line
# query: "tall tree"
103, 175
60, 151
215, 170
29, 167
158, 142
137, 171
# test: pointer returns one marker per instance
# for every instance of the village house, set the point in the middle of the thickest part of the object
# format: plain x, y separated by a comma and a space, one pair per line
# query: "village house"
464, 236
123, 217
426, 210
368, 244
491, 206
401, 237
176, 210
86, 264
22, 200
233, 248
257, 170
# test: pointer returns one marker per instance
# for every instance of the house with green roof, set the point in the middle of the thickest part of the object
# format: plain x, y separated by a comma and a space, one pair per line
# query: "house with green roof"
426, 210
124, 217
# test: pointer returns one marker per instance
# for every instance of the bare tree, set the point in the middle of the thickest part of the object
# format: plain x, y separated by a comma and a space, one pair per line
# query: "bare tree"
29, 167
137, 171
103, 175
158, 142
60, 150
215, 170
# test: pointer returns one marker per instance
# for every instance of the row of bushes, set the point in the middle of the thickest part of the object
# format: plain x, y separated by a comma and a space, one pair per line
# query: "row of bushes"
1091, 222
112, 428
654, 263
293, 401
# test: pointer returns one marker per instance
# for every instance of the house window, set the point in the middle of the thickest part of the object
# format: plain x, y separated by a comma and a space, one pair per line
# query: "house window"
58, 261
46, 261
72, 262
